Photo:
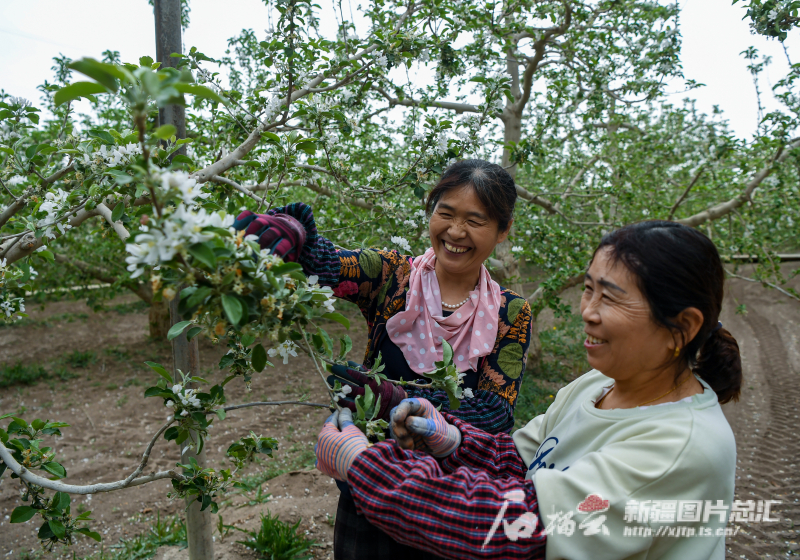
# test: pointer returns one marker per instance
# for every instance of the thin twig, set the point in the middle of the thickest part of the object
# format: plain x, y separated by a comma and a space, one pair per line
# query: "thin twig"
270, 403
764, 282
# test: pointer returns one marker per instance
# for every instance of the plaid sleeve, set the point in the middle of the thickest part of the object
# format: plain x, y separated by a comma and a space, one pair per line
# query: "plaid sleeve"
496, 454
487, 411
462, 515
318, 256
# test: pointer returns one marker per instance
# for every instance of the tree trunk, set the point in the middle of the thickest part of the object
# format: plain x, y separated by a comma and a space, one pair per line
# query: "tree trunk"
535, 349
185, 353
168, 41
199, 525
509, 274
159, 320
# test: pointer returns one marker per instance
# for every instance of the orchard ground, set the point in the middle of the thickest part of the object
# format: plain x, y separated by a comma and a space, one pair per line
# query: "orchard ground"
93, 378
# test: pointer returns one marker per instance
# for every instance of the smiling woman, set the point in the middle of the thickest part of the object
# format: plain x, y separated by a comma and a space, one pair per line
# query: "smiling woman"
412, 305
633, 460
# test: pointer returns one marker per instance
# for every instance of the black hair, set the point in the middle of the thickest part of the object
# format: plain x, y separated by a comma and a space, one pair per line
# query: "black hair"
493, 185
678, 267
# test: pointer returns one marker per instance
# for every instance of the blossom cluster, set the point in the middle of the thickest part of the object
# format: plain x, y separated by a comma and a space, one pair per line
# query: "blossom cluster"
111, 157
54, 203
401, 242
11, 306
187, 397
180, 228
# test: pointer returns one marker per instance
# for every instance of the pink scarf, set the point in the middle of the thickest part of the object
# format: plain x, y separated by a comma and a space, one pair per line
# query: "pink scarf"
419, 330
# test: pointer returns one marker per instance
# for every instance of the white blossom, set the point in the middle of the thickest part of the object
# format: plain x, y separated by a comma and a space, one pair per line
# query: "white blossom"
401, 242
468, 393
382, 61
516, 249
284, 350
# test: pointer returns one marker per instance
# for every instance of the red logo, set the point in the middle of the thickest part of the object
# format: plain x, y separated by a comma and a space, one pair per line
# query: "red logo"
593, 502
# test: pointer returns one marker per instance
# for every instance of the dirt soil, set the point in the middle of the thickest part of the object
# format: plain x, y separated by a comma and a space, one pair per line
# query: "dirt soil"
111, 422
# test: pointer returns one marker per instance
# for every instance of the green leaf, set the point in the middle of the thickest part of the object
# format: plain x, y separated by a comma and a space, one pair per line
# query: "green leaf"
199, 91
346, 344
171, 433
121, 178
233, 307
259, 358
180, 158
177, 329
61, 501
145, 61
106, 74
159, 369
58, 528
165, 131
193, 332
117, 212
339, 318
55, 469
89, 533
198, 296
22, 514
77, 90
510, 360
447, 352
45, 532
204, 254
247, 340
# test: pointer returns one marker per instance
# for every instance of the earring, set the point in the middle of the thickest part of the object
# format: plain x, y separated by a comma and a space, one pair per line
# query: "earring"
677, 351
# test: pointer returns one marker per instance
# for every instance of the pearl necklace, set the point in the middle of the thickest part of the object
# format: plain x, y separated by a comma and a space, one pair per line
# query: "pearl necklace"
460, 303
455, 305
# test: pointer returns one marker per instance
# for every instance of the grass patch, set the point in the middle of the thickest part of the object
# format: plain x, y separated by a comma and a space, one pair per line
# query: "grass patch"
21, 374
133, 307
117, 352
170, 531
78, 359
277, 540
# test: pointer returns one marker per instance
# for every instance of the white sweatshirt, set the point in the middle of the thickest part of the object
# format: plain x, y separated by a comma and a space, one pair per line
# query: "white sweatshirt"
647, 462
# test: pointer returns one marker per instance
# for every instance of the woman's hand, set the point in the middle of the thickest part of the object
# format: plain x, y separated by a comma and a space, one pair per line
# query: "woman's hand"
283, 235
416, 424
390, 394
337, 449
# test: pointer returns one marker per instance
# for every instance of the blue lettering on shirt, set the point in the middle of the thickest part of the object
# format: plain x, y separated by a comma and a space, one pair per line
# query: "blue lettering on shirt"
542, 453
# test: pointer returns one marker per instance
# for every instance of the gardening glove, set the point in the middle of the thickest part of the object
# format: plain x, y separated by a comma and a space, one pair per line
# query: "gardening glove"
418, 417
353, 377
283, 235
337, 449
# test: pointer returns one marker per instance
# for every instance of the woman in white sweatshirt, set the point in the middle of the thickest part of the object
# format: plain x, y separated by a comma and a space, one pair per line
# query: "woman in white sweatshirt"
633, 460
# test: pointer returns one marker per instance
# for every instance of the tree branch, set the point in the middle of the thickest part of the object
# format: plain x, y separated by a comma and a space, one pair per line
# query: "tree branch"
225, 163
724, 208
21, 202
533, 62
686, 192
764, 282
57, 486
569, 283
120, 230
410, 102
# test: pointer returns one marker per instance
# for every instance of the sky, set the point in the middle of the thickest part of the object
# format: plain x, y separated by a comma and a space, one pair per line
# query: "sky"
32, 32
